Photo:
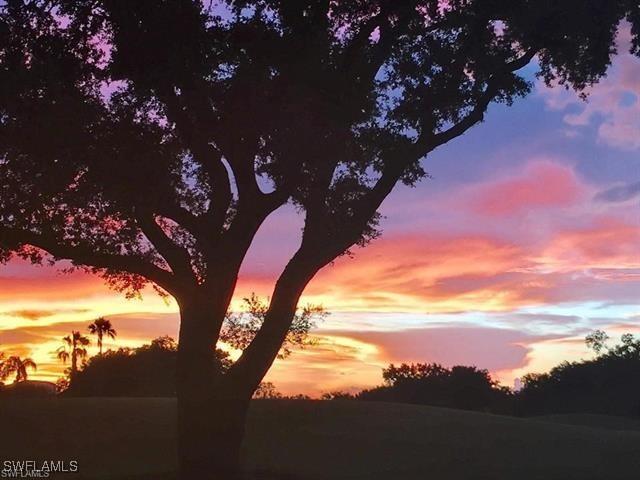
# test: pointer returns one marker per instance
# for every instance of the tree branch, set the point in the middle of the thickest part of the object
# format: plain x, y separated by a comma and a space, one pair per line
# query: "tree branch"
476, 115
87, 256
177, 257
257, 358
206, 155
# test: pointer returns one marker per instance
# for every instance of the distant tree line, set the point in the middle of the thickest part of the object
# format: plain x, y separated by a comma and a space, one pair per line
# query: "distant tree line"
605, 384
466, 388
460, 387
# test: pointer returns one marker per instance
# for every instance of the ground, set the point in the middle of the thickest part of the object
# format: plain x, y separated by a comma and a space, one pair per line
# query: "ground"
304, 440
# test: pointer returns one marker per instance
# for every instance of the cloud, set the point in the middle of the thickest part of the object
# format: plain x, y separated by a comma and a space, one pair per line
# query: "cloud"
52, 287
352, 360
599, 261
619, 193
542, 184
34, 314
608, 244
438, 273
490, 348
613, 104
336, 362
19, 337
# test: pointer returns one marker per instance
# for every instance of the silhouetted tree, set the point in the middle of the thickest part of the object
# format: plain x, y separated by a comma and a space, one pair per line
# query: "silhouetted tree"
297, 396
62, 384
266, 391
605, 384
467, 388
74, 349
101, 327
149, 370
14, 365
240, 328
338, 395
148, 141
597, 341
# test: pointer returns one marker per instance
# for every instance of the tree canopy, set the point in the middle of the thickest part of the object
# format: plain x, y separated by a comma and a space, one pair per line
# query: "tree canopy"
139, 139
605, 384
147, 141
467, 388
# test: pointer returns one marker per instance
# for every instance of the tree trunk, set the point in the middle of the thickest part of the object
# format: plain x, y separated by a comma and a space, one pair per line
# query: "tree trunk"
211, 415
74, 364
210, 433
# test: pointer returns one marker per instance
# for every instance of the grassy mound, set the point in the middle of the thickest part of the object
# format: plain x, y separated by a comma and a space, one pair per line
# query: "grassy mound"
135, 438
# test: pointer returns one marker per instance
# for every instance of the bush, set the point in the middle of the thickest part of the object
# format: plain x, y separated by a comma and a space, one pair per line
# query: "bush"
605, 385
148, 371
466, 388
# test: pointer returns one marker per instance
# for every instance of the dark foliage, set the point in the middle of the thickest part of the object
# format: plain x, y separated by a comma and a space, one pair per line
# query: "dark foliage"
466, 388
148, 141
240, 328
147, 371
15, 366
607, 384
338, 395
267, 391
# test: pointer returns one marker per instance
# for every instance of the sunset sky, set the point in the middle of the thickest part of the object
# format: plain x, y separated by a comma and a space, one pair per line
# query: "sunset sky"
526, 238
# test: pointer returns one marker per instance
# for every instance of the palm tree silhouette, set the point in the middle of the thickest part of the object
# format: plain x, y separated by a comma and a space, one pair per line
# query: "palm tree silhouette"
18, 366
74, 347
102, 327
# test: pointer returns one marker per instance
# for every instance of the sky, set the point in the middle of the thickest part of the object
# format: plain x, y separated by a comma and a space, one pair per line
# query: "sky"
525, 239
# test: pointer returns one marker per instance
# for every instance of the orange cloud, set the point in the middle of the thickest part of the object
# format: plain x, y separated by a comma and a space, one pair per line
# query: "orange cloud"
48, 287
35, 314
407, 273
608, 244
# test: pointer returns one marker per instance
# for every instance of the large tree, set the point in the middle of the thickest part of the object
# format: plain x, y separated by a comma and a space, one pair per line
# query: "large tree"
147, 141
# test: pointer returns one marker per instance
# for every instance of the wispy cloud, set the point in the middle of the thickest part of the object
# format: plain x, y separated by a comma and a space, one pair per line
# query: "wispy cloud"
35, 314
619, 193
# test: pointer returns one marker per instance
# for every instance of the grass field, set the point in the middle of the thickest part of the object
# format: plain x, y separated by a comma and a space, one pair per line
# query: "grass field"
300, 440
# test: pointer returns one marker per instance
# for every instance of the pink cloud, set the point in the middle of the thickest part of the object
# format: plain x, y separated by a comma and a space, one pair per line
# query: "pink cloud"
599, 261
608, 244
542, 184
407, 273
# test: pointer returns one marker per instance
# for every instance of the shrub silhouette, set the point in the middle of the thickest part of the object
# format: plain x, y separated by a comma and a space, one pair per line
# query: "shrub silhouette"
605, 385
149, 370
467, 388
